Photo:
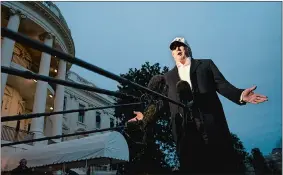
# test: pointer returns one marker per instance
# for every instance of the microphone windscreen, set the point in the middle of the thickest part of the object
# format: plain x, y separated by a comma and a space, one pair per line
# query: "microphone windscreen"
153, 110
184, 90
157, 83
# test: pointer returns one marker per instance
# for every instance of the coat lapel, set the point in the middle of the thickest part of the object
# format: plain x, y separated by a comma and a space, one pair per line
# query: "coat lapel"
175, 75
194, 65
193, 76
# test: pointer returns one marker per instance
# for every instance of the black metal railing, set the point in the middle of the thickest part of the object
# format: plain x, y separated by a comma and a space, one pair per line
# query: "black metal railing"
18, 37
11, 134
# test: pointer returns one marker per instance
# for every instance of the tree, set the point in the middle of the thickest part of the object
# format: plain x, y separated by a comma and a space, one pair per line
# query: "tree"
242, 156
159, 154
279, 143
259, 163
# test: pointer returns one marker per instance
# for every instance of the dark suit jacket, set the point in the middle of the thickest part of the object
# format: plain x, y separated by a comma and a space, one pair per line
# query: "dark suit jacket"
206, 81
20, 171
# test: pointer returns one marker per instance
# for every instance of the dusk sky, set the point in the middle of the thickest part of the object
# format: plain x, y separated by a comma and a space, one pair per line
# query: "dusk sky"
242, 38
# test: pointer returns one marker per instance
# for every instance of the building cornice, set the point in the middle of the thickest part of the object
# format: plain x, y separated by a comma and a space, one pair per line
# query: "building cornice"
96, 95
59, 23
98, 103
81, 79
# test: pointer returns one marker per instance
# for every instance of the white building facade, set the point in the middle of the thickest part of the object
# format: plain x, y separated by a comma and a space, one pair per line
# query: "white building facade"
44, 22
79, 99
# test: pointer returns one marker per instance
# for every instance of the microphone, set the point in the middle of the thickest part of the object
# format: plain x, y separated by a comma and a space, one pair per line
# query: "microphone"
190, 122
157, 84
184, 91
184, 119
153, 104
154, 108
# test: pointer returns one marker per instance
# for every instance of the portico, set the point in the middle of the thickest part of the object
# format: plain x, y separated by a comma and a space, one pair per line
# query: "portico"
20, 95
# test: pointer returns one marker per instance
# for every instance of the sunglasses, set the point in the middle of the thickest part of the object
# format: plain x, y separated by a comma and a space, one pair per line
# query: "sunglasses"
177, 44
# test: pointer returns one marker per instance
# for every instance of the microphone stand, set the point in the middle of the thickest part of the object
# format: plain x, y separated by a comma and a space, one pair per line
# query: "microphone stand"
197, 133
189, 124
188, 119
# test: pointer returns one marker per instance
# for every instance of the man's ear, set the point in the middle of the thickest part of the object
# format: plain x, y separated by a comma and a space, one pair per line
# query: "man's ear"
188, 52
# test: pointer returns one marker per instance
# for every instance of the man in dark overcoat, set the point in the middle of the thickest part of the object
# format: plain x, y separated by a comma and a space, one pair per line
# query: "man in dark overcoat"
214, 152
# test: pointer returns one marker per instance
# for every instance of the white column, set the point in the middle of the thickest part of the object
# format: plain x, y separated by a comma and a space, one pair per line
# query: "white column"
57, 120
7, 47
39, 104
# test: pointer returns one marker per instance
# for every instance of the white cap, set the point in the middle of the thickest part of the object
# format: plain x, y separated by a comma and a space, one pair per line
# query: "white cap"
179, 40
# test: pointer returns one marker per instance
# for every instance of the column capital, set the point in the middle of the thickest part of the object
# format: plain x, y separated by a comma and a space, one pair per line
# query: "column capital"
46, 35
13, 12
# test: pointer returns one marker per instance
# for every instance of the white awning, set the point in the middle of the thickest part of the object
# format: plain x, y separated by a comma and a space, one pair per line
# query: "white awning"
101, 148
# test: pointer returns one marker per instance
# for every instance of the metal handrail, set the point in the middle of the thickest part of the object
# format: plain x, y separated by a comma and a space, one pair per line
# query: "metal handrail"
68, 58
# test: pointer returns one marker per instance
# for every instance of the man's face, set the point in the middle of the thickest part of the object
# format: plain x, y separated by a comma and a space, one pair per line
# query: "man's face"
23, 163
179, 52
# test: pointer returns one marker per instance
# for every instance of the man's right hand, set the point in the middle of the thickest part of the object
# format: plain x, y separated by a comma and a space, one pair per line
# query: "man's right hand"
139, 116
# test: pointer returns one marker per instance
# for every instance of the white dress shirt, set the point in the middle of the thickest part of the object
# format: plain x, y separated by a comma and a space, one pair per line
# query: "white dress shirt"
184, 70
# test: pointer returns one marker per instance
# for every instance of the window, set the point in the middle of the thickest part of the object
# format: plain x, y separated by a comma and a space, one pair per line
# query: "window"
65, 102
29, 127
112, 123
98, 120
81, 116
16, 134
100, 168
18, 126
63, 138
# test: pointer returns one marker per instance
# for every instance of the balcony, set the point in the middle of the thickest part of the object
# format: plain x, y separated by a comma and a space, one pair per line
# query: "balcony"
12, 135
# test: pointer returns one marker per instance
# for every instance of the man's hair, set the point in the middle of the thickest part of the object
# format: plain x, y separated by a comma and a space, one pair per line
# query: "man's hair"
190, 54
23, 160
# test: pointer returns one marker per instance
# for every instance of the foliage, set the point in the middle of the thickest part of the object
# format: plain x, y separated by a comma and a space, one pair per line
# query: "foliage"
279, 143
242, 155
258, 162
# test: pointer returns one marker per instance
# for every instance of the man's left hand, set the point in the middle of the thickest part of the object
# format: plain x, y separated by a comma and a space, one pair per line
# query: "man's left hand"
249, 96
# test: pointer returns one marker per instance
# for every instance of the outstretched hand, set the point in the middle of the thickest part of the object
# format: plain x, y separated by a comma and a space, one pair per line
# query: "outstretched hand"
249, 96
139, 116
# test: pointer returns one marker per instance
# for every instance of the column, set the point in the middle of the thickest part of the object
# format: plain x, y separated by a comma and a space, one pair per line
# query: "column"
57, 120
39, 104
8, 44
